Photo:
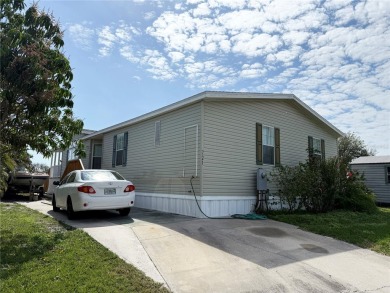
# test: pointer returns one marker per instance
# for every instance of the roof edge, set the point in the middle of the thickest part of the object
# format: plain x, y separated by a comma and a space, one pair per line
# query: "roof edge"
212, 95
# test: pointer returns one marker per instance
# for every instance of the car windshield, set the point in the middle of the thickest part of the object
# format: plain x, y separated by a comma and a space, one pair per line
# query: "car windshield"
100, 175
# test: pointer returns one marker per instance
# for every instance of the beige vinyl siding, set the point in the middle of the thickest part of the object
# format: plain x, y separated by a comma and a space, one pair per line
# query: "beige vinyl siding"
375, 180
229, 148
157, 169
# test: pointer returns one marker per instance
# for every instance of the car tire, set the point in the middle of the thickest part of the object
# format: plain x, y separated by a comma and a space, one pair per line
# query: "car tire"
54, 204
124, 212
69, 209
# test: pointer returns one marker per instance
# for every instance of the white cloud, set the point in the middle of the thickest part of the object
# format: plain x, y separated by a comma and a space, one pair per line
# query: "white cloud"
253, 45
149, 15
107, 39
115, 35
252, 71
283, 10
201, 10
176, 56
81, 35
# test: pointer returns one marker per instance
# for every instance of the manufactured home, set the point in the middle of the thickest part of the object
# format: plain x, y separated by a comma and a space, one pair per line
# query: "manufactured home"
376, 172
211, 146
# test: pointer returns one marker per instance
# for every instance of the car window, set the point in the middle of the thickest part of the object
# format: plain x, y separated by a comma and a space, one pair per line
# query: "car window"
100, 175
71, 177
64, 180
118, 176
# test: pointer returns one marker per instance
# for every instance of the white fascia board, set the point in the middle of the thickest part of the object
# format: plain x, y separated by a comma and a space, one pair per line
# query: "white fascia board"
213, 96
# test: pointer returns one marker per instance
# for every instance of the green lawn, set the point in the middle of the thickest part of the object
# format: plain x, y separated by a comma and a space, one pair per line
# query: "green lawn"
365, 230
38, 254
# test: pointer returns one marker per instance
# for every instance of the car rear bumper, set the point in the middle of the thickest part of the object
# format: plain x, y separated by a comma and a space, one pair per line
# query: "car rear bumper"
89, 202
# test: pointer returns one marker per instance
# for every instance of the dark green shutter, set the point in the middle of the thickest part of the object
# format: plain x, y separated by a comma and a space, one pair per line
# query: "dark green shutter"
114, 151
126, 135
277, 146
259, 144
310, 147
323, 149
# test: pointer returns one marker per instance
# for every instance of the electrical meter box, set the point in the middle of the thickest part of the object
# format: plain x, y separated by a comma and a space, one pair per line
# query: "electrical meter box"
261, 179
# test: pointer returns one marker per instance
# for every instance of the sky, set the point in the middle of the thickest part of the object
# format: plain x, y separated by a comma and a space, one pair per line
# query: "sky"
133, 57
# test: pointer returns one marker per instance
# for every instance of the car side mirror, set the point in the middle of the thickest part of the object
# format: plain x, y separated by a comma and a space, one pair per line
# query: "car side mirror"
56, 182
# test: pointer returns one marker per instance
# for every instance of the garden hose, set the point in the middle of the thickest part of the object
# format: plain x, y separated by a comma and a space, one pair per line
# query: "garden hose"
250, 216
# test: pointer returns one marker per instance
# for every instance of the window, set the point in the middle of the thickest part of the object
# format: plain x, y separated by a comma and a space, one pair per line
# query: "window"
97, 156
100, 175
267, 145
63, 181
157, 133
71, 178
119, 151
387, 174
316, 148
72, 151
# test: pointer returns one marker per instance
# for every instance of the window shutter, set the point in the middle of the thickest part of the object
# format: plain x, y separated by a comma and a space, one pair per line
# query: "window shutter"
310, 146
259, 144
114, 151
323, 149
277, 146
126, 135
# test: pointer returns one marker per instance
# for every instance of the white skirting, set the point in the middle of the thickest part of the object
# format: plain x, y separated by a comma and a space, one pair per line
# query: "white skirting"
212, 206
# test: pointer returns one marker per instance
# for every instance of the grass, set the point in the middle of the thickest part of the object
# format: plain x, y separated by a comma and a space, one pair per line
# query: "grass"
38, 254
370, 231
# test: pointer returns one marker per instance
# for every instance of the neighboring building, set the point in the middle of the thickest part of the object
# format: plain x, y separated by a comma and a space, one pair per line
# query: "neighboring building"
211, 144
376, 171
60, 159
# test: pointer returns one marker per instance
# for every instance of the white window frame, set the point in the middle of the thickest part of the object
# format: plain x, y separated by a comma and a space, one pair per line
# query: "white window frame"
93, 153
118, 140
317, 151
272, 131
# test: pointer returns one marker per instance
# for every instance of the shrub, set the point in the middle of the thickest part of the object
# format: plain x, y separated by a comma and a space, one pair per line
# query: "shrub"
356, 196
286, 178
321, 186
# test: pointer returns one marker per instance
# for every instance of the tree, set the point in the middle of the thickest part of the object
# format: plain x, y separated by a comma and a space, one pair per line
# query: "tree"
352, 146
35, 95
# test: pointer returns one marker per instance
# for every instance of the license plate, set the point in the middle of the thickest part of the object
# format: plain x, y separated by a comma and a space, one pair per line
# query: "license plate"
109, 191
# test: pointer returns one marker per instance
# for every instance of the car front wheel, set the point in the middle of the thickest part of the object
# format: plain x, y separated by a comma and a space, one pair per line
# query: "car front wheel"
124, 212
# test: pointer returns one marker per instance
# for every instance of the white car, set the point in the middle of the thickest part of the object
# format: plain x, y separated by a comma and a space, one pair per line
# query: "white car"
83, 190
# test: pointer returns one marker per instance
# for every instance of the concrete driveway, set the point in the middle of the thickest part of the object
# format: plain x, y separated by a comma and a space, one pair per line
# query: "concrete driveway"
232, 255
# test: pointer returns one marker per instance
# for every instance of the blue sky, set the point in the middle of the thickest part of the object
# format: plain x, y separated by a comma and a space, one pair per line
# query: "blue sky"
132, 57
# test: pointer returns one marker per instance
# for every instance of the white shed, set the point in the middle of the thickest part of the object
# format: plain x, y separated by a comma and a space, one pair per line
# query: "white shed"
376, 171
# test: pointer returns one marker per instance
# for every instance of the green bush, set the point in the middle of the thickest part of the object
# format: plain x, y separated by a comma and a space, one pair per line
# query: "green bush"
321, 186
356, 196
286, 178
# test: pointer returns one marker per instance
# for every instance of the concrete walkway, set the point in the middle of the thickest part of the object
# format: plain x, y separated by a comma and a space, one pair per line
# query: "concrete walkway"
203, 255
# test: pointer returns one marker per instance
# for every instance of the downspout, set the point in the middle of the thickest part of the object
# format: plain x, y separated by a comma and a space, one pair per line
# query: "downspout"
202, 118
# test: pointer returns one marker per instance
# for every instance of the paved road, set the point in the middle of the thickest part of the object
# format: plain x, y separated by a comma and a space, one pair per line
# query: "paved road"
204, 255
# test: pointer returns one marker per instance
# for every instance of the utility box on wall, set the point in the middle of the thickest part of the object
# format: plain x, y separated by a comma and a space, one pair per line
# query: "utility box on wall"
261, 179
